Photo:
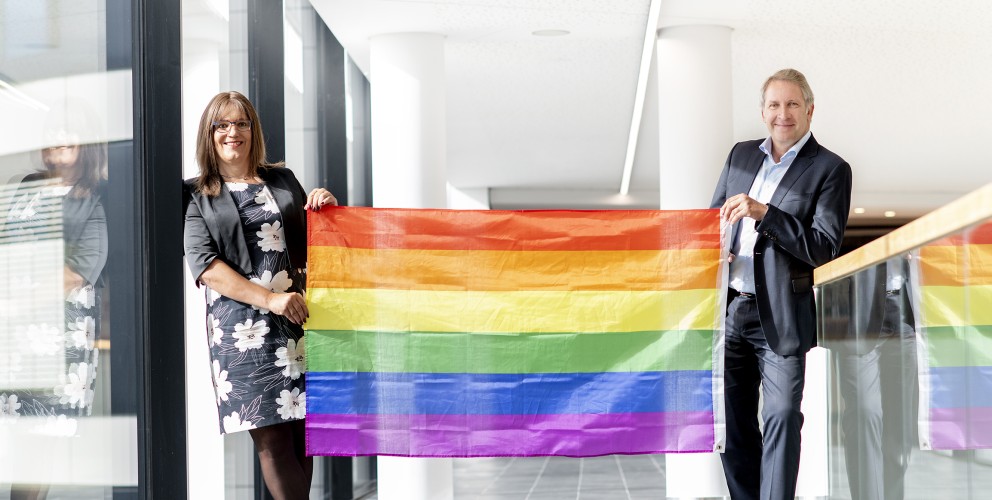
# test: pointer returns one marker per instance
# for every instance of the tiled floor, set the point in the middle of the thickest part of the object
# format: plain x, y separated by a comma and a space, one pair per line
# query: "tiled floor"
611, 477
554, 478
931, 476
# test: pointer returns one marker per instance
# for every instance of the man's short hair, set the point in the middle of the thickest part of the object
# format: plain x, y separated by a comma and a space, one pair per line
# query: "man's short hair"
789, 75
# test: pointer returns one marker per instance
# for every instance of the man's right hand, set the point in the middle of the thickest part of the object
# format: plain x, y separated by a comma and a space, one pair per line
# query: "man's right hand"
739, 206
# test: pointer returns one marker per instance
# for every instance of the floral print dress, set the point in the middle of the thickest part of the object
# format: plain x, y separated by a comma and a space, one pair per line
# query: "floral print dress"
257, 356
52, 377
73, 348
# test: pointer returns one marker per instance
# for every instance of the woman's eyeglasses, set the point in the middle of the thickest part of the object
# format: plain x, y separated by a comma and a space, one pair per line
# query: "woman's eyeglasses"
225, 125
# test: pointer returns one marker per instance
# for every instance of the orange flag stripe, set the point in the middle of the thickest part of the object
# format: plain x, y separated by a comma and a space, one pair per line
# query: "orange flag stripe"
538, 230
963, 265
487, 270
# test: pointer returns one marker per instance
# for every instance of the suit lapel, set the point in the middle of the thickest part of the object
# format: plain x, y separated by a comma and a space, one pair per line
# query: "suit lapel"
228, 220
284, 199
226, 210
802, 162
743, 181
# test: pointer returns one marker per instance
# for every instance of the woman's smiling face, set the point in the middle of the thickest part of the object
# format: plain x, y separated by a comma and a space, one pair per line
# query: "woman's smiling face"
233, 144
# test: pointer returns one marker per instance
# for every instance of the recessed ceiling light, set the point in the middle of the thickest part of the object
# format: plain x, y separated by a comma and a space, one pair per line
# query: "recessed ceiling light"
889, 213
550, 33
859, 210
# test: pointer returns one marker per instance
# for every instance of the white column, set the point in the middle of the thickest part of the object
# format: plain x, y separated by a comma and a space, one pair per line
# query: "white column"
408, 170
409, 128
695, 132
695, 112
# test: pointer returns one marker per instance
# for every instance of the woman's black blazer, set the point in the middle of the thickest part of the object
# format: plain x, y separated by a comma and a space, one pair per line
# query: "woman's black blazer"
213, 227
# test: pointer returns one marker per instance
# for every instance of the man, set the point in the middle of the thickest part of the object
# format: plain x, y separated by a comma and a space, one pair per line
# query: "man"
788, 198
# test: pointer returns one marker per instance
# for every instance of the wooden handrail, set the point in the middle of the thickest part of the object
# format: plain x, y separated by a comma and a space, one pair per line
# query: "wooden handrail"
968, 210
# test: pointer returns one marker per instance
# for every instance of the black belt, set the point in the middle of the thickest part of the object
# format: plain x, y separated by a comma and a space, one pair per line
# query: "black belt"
735, 293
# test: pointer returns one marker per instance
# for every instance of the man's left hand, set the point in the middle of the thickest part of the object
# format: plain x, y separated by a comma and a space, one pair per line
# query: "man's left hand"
739, 206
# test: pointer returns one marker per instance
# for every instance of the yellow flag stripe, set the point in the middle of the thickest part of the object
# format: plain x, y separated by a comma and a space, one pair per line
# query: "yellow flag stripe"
511, 312
957, 305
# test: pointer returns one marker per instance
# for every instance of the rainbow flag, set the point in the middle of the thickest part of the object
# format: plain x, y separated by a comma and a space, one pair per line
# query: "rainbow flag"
443, 333
955, 276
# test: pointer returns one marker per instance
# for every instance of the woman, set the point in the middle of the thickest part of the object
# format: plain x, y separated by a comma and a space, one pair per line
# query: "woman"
245, 238
57, 206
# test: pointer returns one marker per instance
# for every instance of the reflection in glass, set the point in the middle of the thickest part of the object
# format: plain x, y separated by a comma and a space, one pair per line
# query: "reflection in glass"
870, 328
53, 249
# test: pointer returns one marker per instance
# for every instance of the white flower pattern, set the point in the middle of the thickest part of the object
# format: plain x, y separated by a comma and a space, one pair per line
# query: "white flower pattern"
292, 405
292, 358
250, 335
221, 385
9, 406
233, 423
82, 332
265, 199
73, 392
217, 334
237, 187
271, 237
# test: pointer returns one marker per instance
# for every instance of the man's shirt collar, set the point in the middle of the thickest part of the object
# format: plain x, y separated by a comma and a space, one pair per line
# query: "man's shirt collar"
766, 146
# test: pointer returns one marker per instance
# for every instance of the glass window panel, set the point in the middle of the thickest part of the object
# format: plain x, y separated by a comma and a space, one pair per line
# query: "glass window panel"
64, 430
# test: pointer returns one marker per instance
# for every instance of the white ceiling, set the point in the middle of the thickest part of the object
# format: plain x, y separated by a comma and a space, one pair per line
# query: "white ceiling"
901, 88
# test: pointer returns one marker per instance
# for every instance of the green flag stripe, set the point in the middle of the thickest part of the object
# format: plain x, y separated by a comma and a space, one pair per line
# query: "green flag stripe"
363, 351
950, 346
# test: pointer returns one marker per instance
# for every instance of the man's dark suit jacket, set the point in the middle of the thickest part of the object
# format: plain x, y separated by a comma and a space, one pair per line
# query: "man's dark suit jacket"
802, 230
213, 227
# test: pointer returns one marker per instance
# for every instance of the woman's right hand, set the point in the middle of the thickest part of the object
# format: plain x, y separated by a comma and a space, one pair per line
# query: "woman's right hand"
291, 305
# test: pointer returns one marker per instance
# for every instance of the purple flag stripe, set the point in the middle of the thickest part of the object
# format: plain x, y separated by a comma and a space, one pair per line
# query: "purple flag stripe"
573, 435
960, 428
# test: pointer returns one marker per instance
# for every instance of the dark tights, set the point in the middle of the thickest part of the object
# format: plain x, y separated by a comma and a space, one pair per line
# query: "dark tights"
285, 466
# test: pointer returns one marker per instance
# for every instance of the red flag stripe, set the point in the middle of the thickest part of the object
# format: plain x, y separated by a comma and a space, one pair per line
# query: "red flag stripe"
433, 229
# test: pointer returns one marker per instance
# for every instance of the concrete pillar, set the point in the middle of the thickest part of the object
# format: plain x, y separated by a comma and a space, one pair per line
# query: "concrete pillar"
409, 127
695, 112
695, 132
408, 171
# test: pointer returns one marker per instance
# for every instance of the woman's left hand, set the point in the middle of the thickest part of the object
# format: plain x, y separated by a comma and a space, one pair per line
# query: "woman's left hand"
318, 198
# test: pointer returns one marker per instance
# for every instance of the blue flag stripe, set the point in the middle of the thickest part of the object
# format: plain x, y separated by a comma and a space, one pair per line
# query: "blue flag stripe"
508, 394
